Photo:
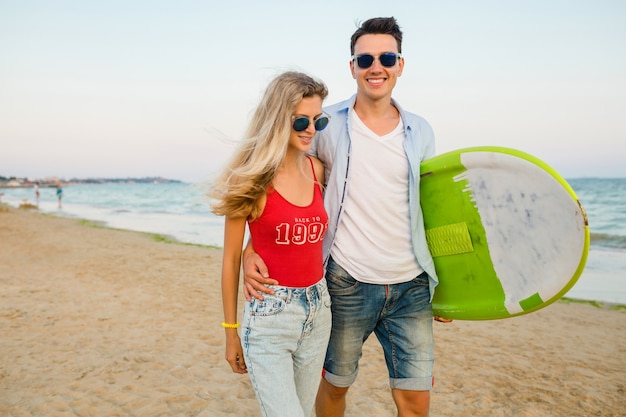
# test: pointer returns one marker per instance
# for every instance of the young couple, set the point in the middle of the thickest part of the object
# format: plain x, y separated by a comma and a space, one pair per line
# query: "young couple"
331, 199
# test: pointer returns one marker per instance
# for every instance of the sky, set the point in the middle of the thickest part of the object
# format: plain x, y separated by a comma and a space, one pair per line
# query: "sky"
142, 88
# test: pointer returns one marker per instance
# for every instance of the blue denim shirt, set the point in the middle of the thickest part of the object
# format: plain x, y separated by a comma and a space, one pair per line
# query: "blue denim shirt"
332, 146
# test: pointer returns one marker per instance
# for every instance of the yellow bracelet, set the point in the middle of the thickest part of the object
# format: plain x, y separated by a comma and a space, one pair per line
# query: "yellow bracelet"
230, 326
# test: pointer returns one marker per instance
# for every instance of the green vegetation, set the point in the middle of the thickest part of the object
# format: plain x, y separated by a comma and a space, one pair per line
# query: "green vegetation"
154, 236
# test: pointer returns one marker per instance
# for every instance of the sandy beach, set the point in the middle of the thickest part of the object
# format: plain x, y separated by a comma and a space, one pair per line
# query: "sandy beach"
102, 322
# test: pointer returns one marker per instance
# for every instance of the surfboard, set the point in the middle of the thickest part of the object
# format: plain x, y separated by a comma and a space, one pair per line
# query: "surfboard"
507, 233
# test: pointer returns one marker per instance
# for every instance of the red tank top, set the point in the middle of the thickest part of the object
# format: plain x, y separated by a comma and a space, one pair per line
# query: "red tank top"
289, 238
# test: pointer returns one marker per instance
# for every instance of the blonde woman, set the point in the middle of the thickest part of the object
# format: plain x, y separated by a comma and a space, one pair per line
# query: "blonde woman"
274, 187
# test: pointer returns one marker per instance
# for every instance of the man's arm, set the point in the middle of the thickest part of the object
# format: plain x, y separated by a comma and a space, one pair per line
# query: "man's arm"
255, 275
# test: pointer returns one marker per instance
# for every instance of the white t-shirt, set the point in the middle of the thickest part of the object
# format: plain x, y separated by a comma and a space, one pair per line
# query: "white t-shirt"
373, 240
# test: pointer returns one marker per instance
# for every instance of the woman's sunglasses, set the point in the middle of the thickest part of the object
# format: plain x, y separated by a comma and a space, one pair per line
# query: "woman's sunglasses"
300, 124
387, 60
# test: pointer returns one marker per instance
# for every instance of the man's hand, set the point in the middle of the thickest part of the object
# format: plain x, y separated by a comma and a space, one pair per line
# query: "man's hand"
255, 276
442, 319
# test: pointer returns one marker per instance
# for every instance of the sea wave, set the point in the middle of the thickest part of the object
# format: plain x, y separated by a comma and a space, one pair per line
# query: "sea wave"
608, 240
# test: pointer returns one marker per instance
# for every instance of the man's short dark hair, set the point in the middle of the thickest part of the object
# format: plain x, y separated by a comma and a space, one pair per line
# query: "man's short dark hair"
378, 26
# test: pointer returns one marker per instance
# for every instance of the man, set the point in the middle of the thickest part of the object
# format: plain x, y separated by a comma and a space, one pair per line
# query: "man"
380, 273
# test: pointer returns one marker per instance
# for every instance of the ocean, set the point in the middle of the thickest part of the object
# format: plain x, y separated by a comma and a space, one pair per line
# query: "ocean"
181, 211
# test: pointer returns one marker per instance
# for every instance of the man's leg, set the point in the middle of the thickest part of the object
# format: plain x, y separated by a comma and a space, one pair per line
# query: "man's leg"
355, 308
411, 403
406, 335
330, 401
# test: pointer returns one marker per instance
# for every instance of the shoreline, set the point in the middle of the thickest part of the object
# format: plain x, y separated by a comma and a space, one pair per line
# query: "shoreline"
583, 291
164, 238
98, 321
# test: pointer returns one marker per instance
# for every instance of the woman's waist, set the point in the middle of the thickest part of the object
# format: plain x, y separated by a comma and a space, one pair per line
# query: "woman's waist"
290, 292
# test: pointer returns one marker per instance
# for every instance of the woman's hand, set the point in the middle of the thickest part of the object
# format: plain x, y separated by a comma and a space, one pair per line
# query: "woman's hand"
234, 352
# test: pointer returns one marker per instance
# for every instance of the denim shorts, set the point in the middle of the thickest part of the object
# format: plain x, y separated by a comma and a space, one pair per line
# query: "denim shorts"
401, 317
284, 338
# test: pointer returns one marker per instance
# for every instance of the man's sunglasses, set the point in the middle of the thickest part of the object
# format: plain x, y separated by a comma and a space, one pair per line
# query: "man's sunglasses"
300, 124
387, 60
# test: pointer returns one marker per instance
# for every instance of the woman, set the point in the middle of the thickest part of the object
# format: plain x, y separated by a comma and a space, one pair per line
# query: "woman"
272, 185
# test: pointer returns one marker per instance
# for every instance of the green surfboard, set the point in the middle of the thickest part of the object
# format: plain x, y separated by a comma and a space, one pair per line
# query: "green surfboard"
507, 233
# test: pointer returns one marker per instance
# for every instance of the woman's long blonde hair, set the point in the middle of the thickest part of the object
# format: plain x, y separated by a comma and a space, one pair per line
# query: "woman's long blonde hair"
250, 172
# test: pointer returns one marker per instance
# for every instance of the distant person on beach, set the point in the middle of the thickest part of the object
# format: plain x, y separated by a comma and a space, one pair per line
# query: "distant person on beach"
36, 187
379, 270
59, 192
274, 187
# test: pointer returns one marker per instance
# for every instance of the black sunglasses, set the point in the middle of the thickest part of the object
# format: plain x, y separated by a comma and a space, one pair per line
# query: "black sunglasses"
300, 124
388, 59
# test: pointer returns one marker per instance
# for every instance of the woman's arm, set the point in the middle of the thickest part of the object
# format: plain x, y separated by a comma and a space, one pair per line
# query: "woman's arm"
234, 230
